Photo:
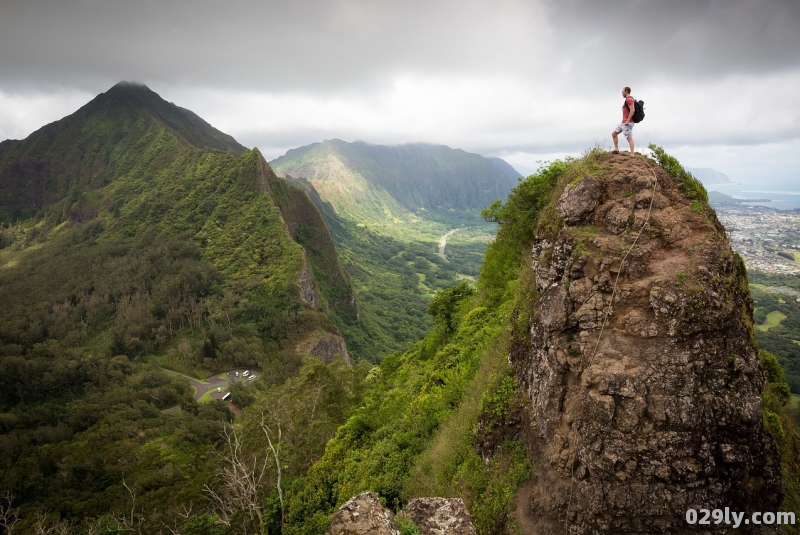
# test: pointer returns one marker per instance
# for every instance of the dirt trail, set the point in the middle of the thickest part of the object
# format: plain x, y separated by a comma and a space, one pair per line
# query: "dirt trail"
523, 496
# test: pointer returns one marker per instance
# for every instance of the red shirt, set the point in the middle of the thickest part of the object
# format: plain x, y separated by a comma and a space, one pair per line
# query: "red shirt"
625, 109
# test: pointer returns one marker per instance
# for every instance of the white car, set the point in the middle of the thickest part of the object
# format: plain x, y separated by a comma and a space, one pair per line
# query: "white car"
246, 373
219, 389
237, 374
252, 378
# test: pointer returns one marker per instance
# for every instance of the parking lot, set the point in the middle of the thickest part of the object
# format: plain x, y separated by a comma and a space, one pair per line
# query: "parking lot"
206, 389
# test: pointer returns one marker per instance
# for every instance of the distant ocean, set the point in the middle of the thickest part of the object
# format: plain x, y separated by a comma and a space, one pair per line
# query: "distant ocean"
783, 196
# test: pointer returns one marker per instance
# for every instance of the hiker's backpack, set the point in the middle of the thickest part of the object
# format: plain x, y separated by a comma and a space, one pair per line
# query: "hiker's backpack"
638, 111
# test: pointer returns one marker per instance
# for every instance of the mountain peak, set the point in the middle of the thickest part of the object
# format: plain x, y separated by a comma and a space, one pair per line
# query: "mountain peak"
130, 84
133, 90
128, 97
74, 152
135, 93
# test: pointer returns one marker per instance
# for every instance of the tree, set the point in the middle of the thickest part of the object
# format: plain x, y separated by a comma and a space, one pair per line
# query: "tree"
275, 448
9, 515
241, 477
129, 522
444, 307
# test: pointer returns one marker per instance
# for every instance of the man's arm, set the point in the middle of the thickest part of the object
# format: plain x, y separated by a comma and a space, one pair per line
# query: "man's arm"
631, 110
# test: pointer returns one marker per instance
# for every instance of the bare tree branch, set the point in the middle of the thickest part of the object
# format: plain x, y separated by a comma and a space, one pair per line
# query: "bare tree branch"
9, 515
242, 480
133, 521
276, 455
43, 524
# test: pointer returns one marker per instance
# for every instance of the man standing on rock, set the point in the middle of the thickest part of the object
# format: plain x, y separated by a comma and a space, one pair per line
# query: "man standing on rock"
626, 126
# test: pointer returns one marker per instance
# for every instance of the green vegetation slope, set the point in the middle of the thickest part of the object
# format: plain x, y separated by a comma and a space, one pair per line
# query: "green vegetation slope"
135, 237
78, 152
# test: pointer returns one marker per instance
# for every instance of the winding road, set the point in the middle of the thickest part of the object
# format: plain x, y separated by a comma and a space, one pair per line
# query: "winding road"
443, 242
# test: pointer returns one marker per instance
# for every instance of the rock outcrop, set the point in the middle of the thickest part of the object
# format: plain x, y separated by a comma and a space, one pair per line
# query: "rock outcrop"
325, 345
308, 287
363, 515
440, 516
658, 410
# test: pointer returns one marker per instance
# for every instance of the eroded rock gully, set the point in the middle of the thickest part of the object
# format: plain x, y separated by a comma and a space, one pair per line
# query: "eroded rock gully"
665, 414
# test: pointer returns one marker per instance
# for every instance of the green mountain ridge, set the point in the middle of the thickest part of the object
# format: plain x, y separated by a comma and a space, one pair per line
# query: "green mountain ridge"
392, 182
129, 164
75, 153
136, 237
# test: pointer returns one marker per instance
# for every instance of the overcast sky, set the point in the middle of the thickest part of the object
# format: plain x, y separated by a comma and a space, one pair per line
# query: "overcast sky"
525, 81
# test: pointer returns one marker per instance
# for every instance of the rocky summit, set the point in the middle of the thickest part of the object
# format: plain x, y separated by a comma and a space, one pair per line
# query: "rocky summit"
640, 365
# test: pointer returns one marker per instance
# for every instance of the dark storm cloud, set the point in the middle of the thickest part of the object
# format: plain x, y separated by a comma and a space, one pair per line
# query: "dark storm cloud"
329, 45
252, 44
682, 38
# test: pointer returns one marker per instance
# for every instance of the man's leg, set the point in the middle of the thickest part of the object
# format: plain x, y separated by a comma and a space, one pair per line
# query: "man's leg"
616, 142
630, 142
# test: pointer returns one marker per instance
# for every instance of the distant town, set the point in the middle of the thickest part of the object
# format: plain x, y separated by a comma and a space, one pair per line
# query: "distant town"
767, 239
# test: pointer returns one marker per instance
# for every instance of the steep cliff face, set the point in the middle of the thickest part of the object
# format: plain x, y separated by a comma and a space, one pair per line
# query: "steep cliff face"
639, 364
323, 281
308, 289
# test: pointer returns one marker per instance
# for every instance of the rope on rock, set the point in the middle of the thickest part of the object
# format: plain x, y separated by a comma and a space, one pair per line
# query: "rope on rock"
574, 439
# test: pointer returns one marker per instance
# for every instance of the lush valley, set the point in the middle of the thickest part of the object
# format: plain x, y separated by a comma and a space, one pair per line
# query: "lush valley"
434, 423
388, 209
389, 183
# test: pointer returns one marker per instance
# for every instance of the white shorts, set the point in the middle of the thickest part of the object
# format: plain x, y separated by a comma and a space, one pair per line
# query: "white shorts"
626, 129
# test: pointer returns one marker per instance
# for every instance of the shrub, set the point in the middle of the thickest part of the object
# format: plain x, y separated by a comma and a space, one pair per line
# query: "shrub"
688, 184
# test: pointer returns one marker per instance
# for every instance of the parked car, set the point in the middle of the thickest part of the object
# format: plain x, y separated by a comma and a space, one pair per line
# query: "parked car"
219, 389
252, 377
246, 373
